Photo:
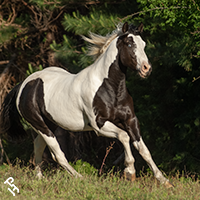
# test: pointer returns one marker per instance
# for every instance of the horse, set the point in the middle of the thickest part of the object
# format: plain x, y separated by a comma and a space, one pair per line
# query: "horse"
95, 99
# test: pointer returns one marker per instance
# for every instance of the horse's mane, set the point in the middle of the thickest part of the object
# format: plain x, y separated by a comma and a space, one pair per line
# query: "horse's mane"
99, 44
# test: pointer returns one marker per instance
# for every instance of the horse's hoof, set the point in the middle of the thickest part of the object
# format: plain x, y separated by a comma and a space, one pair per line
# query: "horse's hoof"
130, 177
168, 184
78, 176
39, 176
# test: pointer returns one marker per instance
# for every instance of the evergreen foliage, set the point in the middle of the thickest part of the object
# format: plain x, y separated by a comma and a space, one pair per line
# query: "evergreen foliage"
167, 103
173, 35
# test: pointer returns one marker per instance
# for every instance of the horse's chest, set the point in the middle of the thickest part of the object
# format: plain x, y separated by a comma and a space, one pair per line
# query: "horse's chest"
112, 103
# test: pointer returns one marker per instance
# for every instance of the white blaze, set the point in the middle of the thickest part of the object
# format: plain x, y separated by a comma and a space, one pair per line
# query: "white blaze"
139, 51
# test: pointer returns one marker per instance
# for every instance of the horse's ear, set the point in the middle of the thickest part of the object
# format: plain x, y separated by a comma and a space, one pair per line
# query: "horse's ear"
140, 28
125, 27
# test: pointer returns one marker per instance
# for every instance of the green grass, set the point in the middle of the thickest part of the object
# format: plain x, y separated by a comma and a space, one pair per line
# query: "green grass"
57, 184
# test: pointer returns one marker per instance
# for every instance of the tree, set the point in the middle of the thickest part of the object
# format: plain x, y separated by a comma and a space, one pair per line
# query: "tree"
28, 27
173, 33
166, 103
47, 33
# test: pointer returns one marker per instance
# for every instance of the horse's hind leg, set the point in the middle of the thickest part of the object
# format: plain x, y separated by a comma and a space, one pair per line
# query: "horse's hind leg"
32, 107
39, 146
58, 155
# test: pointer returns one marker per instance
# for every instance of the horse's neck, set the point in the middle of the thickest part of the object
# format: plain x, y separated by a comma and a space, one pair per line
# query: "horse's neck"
103, 64
117, 75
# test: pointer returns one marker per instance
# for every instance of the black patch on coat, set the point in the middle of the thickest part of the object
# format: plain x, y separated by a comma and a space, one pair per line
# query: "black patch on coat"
112, 102
32, 108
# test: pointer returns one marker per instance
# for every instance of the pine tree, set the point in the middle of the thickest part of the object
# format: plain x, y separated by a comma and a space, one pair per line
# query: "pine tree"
43, 33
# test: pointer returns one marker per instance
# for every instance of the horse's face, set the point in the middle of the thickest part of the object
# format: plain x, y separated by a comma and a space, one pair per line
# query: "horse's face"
131, 50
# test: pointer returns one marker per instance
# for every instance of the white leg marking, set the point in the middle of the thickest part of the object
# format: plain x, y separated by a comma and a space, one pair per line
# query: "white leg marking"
58, 155
144, 152
39, 146
110, 130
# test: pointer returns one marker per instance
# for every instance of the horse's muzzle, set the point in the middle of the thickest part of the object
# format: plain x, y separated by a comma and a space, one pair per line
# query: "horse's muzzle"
145, 70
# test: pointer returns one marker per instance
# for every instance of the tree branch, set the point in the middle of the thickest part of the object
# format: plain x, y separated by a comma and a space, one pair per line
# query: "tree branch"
156, 8
107, 152
3, 62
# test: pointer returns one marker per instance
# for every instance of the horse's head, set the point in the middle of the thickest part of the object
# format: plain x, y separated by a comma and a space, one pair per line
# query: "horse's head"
131, 50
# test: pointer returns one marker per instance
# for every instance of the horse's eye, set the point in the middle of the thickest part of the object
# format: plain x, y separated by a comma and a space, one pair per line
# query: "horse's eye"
129, 45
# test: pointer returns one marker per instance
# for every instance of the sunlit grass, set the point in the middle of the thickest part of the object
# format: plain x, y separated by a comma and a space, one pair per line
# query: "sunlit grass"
57, 184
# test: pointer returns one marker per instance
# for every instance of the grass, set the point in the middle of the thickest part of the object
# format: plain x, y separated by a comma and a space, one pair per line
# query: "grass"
57, 184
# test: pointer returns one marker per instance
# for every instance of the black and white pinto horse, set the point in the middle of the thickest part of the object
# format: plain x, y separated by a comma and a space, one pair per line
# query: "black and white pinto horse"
94, 99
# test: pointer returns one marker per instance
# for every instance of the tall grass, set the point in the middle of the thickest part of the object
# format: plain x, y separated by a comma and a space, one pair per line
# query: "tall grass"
57, 184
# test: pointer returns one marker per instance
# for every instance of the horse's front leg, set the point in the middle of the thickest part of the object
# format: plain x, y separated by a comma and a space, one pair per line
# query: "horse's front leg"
134, 133
110, 130
144, 152
129, 171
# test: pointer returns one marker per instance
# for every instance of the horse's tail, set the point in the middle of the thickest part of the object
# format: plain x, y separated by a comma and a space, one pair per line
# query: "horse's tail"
10, 119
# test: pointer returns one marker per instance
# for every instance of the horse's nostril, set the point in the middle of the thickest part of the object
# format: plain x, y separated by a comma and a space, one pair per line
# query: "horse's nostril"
146, 67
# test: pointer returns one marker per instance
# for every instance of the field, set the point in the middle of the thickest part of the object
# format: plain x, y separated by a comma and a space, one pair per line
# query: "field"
57, 184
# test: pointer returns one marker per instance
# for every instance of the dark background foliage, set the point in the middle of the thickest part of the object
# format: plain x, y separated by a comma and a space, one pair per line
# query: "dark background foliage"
37, 33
